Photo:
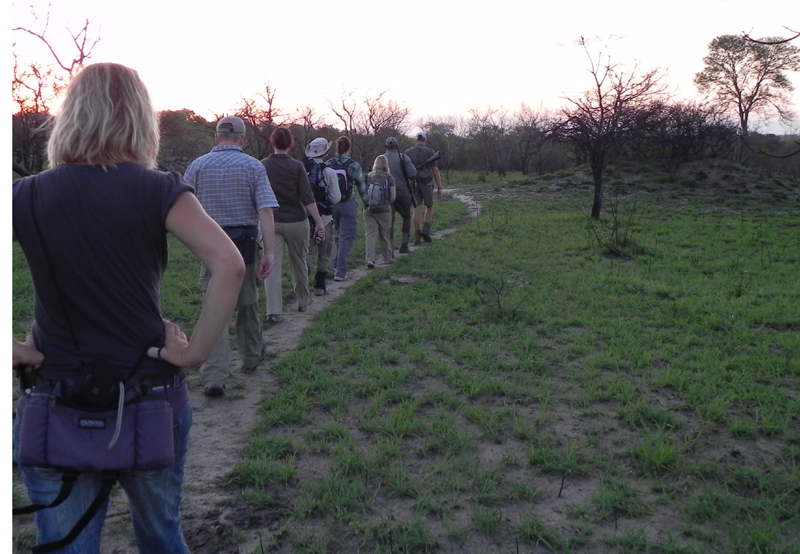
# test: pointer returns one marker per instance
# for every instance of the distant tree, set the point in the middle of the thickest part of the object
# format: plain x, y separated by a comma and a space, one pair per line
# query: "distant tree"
307, 118
750, 77
261, 116
489, 131
382, 114
184, 137
33, 88
530, 131
685, 130
601, 122
346, 110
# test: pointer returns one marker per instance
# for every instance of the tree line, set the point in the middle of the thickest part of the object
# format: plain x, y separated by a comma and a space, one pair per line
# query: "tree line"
626, 112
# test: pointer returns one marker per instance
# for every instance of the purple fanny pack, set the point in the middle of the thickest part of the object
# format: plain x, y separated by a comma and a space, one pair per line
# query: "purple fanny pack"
137, 434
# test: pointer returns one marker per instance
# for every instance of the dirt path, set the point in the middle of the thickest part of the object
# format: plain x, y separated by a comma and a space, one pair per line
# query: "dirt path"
220, 430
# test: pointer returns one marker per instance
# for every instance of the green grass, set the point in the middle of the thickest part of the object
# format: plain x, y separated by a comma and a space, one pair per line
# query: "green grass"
513, 386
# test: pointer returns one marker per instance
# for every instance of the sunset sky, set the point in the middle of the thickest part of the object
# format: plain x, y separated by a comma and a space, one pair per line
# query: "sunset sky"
442, 59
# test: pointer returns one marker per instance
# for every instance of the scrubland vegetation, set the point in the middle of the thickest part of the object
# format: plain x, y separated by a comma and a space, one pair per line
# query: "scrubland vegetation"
540, 381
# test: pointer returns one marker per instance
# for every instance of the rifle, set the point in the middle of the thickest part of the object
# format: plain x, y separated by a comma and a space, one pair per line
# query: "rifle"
409, 183
436, 156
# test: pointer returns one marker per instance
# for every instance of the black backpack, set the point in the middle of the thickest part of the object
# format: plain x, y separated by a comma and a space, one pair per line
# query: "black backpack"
345, 184
315, 171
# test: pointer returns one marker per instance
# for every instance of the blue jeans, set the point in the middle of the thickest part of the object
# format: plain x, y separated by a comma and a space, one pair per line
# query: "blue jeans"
154, 497
344, 220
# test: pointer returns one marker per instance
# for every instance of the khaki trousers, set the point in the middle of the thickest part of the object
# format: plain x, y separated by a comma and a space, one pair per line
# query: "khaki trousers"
294, 236
378, 226
248, 330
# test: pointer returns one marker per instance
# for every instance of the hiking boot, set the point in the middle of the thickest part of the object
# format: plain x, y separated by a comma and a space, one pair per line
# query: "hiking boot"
338, 279
426, 232
274, 318
417, 238
214, 391
403, 248
371, 264
319, 283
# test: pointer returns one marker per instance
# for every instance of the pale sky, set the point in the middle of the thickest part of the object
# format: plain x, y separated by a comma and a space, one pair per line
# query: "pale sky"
436, 58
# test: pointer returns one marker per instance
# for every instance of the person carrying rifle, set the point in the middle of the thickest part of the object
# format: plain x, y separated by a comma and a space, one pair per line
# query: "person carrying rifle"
427, 172
403, 171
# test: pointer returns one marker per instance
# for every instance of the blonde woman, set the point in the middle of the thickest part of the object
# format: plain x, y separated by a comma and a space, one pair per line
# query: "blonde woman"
103, 215
381, 192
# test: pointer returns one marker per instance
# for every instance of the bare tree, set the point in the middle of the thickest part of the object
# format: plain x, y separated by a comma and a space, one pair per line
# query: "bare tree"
346, 110
82, 40
600, 121
32, 90
382, 114
262, 116
34, 86
489, 131
310, 121
747, 76
530, 131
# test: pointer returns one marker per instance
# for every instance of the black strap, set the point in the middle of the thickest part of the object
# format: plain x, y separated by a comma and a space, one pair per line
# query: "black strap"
108, 481
67, 483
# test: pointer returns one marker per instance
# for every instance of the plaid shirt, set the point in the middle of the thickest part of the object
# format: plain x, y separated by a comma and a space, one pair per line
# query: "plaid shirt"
356, 175
231, 186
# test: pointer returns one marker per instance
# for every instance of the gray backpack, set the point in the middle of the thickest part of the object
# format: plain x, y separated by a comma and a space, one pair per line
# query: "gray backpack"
378, 193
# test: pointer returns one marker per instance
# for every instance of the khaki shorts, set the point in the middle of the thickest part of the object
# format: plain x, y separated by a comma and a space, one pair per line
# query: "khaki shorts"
423, 194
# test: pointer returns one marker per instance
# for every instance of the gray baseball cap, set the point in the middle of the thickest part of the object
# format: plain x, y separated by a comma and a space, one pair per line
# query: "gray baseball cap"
391, 142
230, 124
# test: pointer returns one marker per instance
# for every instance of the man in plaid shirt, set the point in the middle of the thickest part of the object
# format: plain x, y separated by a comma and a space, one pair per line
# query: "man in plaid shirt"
234, 190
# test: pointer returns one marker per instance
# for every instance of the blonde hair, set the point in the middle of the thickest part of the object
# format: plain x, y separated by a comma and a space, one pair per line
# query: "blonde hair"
106, 118
381, 164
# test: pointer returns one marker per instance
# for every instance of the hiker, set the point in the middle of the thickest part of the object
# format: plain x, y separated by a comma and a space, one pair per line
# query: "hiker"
345, 221
381, 192
402, 170
290, 183
325, 186
419, 154
95, 240
233, 189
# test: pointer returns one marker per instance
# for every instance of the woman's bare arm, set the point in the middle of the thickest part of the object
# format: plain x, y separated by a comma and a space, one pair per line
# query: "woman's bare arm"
193, 227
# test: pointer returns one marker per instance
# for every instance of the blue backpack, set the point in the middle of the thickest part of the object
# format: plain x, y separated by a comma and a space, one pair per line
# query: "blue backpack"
315, 171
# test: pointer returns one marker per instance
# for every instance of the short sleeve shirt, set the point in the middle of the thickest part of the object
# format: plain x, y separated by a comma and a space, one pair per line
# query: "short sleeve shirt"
231, 185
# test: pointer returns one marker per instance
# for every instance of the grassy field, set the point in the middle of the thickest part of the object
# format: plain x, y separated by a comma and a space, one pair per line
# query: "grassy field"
539, 382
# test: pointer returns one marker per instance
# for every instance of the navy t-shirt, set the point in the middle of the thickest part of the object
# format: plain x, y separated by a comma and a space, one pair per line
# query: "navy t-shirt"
106, 235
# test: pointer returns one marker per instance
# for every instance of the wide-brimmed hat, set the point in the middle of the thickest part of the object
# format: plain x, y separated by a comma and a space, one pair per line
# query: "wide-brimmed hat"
317, 147
230, 124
